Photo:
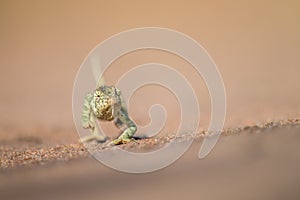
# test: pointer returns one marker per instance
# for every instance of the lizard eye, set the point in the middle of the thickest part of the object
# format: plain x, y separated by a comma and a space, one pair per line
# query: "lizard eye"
97, 94
109, 92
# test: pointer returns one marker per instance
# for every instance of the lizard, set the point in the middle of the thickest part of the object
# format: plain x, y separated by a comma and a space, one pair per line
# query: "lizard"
106, 103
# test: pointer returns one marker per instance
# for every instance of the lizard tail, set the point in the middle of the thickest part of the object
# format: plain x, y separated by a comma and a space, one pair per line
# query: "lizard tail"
97, 72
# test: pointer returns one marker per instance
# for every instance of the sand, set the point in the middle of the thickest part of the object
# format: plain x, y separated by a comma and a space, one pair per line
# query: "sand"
256, 47
251, 163
21, 155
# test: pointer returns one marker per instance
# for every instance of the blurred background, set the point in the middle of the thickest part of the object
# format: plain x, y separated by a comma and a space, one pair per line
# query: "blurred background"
255, 45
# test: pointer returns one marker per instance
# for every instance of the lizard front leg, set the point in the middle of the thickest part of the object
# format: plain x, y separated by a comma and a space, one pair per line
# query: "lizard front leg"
127, 135
88, 121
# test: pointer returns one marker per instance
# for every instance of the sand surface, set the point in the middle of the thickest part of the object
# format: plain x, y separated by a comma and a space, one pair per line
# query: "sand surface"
256, 47
256, 163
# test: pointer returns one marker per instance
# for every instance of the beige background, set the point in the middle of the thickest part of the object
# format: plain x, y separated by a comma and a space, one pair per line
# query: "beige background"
254, 43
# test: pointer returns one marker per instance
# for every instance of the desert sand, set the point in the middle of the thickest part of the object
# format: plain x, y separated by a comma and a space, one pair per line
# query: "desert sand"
255, 46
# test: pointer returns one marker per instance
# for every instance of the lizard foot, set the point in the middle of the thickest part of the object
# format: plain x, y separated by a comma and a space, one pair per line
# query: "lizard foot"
121, 141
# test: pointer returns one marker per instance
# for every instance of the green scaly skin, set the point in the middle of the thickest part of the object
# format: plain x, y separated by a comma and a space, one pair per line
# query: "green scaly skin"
106, 103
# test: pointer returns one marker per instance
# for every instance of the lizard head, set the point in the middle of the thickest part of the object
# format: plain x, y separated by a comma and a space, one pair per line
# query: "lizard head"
105, 99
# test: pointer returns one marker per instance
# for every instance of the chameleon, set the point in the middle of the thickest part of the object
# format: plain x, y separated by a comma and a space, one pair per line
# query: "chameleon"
106, 103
